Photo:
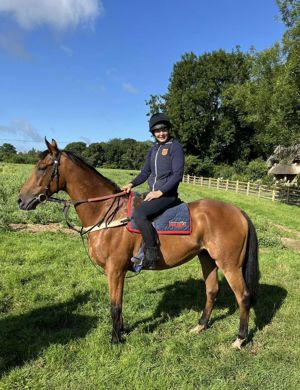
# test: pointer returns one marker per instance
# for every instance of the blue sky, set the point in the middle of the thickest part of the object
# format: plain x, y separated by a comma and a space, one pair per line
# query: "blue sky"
81, 70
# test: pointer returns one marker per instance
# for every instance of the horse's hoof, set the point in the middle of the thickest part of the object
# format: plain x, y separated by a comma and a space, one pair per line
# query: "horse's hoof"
238, 343
199, 328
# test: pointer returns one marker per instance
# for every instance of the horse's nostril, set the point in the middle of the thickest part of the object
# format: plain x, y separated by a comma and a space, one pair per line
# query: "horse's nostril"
20, 202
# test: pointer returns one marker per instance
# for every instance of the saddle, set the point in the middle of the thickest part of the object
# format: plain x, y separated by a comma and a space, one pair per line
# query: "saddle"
174, 221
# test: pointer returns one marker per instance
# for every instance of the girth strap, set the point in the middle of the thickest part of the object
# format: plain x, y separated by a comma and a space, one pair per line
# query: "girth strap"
104, 225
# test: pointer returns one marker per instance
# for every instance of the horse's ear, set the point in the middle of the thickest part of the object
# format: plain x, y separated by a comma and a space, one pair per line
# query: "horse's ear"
51, 147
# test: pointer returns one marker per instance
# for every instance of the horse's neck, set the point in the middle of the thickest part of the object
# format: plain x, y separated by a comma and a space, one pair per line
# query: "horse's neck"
83, 183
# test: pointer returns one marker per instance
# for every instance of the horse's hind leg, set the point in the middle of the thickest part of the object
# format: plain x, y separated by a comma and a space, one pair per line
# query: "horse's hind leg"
209, 270
237, 283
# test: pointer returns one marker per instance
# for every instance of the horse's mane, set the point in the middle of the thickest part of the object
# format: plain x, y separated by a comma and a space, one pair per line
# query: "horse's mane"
82, 163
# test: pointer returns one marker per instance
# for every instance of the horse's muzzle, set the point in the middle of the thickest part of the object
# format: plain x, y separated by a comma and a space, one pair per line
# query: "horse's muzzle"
30, 204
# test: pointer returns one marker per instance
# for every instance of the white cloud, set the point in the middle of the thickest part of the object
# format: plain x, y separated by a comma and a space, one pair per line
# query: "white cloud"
85, 139
58, 14
128, 87
23, 128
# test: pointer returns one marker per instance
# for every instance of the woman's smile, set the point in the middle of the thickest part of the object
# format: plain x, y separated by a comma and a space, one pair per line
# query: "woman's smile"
162, 136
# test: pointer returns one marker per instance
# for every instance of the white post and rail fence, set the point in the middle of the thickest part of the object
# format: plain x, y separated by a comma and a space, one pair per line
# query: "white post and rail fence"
286, 194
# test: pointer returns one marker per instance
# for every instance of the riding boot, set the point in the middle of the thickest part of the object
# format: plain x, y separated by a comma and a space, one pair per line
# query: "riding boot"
150, 243
151, 257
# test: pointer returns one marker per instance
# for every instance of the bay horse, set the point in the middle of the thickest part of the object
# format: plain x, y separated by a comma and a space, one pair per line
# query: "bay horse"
223, 236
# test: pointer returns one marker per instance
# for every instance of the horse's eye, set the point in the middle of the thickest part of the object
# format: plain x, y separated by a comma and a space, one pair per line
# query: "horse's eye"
42, 168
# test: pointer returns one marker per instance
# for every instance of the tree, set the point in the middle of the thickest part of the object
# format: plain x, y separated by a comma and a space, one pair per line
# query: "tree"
8, 149
192, 165
76, 147
7, 152
195, 104
290, 12
32, 156
126, 154
134, 156
156, 104
113, 151
94, 154
268, 103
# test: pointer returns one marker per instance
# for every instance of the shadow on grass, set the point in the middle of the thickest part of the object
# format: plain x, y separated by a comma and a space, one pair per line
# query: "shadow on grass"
190, 295
24, 336
269, 301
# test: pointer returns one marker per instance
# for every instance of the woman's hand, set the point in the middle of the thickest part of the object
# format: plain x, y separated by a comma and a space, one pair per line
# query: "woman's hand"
127, 187
153, 195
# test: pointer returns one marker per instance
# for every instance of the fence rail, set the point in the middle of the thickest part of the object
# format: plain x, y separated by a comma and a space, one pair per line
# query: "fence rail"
284, 194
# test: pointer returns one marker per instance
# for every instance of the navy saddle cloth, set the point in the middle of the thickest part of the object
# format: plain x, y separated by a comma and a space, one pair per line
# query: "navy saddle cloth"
175, 220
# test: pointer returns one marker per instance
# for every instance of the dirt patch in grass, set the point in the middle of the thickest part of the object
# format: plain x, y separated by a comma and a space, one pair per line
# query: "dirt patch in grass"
290, 243
289, 230
293, 243
39, 228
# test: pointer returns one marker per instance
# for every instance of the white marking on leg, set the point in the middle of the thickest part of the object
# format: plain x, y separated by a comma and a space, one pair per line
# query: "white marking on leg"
238, 343
199, 328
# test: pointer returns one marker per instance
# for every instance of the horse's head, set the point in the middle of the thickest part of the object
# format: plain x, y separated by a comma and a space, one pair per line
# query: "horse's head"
44, 180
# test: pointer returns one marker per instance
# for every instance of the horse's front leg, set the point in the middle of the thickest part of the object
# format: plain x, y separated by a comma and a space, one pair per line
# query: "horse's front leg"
116, 285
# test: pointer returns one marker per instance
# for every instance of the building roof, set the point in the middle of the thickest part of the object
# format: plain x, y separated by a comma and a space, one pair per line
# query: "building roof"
284, 169
284, 155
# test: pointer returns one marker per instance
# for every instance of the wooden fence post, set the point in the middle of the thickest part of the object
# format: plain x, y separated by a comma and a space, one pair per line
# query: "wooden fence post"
273, 195
188, 179
237, 186
194, 180
209, 182
288, 195
227, 182
248, 188
259, 190
201, 181
218, 183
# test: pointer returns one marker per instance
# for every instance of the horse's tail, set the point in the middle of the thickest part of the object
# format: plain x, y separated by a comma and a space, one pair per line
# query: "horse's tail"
250, 266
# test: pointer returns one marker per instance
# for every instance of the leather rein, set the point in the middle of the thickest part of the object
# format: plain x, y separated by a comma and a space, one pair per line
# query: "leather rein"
105, 222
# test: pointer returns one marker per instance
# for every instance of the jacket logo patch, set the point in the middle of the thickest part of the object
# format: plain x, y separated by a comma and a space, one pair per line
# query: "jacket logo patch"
164, 152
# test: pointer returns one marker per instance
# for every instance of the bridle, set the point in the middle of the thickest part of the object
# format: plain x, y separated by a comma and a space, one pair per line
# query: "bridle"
109, 215
53, 174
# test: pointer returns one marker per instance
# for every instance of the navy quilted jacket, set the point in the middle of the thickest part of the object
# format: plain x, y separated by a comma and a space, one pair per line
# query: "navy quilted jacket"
163, 167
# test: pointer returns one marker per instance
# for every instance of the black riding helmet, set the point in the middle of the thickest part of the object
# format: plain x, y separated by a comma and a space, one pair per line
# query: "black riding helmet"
159, 121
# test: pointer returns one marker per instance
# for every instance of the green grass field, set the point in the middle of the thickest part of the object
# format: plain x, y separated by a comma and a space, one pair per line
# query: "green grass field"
55, 322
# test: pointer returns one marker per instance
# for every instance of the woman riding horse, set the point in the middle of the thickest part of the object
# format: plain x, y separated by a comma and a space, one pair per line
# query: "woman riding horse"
164, 170
223, 236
